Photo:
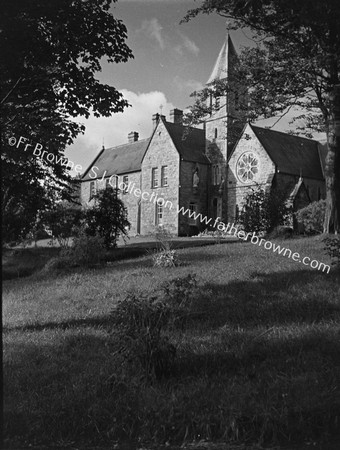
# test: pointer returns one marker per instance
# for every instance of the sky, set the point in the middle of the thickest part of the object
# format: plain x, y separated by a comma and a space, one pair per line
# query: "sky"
171, 60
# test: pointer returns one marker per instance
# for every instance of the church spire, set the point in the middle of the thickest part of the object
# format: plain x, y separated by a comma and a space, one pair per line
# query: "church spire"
224, 61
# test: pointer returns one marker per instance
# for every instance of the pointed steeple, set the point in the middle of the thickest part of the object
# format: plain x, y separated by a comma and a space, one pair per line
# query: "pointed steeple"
224, 61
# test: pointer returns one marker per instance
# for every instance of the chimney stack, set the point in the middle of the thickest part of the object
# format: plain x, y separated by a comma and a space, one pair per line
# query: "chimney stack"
155, 119
133, 137
176, 116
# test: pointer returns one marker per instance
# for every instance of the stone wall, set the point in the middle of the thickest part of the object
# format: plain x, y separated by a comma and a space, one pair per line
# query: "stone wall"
190, 194
237, 190
161, 152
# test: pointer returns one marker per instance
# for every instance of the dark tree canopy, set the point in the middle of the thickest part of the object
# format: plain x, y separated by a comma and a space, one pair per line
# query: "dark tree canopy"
297, 63
51, 51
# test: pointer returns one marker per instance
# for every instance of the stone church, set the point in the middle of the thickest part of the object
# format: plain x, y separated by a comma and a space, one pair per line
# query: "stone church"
206, 171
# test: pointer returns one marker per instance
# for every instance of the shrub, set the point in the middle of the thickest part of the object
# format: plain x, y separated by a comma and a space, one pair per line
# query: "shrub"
165, 255
312, 217
56, 265
281, 232
61, 221
86, 250
140, 321
143, 323
179, 291
108, 217
263, 211
332, 248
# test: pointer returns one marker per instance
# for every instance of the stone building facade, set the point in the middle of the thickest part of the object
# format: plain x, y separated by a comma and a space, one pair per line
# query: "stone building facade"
179, 172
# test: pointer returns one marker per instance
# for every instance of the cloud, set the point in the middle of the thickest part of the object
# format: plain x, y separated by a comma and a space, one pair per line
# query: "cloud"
114, 130
152, 28
184, 85
187, 44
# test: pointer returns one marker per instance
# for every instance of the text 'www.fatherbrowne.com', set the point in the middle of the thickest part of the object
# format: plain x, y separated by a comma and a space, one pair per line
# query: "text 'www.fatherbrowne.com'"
229, 229
233, 230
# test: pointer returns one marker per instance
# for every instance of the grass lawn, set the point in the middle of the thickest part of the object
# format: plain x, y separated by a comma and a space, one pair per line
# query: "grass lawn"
261, 365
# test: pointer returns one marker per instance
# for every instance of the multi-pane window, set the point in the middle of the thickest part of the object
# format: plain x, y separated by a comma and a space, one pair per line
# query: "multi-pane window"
164, 176
158, 214
154, 177
192, 213
92, 189
125, 184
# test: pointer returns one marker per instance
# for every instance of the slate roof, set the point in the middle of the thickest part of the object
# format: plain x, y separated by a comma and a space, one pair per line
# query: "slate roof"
224, 61
128, 157
291, 154
190, 142
118, 160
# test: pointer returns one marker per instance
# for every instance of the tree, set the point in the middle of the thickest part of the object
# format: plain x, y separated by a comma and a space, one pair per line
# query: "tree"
51, 51
263, 211
62, 221
108, 217
297, 63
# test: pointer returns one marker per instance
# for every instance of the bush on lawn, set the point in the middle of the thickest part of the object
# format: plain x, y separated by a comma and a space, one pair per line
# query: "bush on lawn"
143, 325
332, 248
263, 211
312, 217
61, 221
86, 250
107, 218
164, 255
139, 322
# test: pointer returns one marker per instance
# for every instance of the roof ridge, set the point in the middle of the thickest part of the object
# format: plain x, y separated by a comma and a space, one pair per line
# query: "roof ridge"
185, 127
282, 132
128, 143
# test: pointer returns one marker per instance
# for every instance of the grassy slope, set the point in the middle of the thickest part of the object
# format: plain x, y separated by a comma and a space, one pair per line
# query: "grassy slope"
263, 364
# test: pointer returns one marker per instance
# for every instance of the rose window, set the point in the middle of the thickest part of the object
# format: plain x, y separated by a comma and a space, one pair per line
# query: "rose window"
247, 167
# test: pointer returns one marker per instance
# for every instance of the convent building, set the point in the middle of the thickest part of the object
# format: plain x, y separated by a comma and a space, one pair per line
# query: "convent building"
207, 171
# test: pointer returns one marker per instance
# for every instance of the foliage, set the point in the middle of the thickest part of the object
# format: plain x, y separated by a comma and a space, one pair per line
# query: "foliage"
140, 321
281, 231
165, 258
263, 211
312, 217
51, 52
144, 323
262, 366
62, 221
179, 292
165, 255
85, 250
296, 62
19, 213
332, 248
108, 217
